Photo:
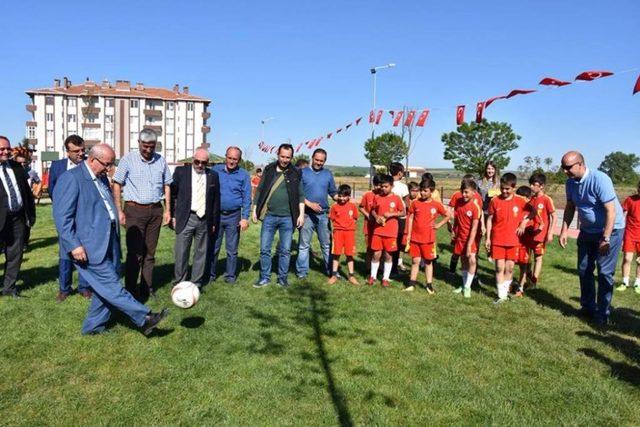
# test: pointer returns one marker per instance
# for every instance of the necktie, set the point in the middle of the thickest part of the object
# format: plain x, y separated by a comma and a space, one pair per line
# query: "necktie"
200, 195
13, 206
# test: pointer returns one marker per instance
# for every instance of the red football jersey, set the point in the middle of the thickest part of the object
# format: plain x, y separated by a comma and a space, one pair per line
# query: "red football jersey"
458, 195
543, 206
507, 216
631, 206
464, 214
383, 204
366, 203
343, 217
424, 217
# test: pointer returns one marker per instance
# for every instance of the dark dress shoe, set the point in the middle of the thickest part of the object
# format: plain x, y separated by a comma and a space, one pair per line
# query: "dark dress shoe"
12, 294
62, 296
152, 320
86, 294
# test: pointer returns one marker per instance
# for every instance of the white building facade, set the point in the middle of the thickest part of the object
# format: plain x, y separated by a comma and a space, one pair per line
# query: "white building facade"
114, 114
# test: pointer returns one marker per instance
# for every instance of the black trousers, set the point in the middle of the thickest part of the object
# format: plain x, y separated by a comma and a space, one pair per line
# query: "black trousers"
12, 238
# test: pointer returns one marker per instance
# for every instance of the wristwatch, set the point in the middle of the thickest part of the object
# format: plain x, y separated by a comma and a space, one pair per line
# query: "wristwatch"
606, 239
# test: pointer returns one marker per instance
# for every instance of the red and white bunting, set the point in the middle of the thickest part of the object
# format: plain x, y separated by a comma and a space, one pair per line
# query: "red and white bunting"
422, 118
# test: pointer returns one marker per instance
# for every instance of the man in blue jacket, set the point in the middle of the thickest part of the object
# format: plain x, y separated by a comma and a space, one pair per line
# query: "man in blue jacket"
87, 222
74, 145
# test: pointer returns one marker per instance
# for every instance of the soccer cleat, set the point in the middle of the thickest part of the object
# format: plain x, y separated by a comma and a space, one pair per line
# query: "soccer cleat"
332, 280
458, 290
621, 287
429, 288
385, 283
353, 280
467, 292
371, 281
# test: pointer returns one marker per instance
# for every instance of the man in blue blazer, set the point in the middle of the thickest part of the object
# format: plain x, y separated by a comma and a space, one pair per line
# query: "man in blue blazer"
74, 145
87, 222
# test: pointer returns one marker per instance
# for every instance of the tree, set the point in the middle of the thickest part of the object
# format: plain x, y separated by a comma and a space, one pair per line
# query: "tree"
620, 167
473, 144
299, 157
247, 165
531, 165
385, 149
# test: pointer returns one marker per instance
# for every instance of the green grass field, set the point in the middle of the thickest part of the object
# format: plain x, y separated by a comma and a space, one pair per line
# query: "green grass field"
319, 355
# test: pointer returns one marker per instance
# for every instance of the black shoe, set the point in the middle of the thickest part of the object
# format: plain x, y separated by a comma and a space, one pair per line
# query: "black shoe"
152, 321
13, 294
283, 284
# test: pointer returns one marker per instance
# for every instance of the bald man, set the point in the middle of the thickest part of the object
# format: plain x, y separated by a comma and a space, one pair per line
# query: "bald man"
86, 218
591, 193
195, 211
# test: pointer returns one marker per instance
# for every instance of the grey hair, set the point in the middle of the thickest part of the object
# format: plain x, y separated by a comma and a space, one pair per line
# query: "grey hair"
147, 135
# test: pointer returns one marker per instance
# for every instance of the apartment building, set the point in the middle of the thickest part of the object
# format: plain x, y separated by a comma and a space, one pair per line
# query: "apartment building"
114, 114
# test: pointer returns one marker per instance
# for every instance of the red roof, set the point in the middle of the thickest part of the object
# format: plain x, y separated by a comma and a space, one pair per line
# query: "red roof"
118, 91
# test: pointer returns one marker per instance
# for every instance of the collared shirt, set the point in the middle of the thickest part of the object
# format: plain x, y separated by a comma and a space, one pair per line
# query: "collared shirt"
235, 189
143, 181
590, 194
317, 185
198, 184
104, 193
70, 164
12, 177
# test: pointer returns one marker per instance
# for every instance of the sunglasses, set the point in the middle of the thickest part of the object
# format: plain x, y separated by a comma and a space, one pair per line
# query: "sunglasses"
201, 162
567, 167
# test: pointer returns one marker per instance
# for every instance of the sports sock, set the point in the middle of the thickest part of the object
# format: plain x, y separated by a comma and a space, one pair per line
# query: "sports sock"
387, 270
464, 277
375, 265
503, 289
637, 282
469, 280
399, 261
625, 280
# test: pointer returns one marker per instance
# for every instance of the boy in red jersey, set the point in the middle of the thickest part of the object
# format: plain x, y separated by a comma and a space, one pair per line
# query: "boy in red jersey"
545, 218
504, 226
365, 207
414, 194
452, 203
523, 250
343, 216
422, 233
631, 242
386, 209
467, 213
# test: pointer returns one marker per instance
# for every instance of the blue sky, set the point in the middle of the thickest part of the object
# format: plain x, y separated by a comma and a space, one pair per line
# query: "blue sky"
306, 64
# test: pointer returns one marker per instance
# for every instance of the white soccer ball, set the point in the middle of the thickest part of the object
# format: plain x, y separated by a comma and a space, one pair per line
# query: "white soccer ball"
185, 294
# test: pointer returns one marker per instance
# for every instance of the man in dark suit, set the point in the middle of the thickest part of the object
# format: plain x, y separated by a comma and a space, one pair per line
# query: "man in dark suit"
17, 212
195, 212
87, 222
74, 145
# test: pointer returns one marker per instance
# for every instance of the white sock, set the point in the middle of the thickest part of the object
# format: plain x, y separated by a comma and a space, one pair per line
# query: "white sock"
637, 282
469, 280
507, 286
625, 280
400, 260
464, 277
387, 270
375, 265
503, 289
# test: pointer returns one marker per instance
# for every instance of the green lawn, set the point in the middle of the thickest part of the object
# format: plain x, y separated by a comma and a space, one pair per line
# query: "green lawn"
319, 355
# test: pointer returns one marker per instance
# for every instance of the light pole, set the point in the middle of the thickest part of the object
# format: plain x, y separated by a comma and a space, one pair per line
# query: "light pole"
374, 71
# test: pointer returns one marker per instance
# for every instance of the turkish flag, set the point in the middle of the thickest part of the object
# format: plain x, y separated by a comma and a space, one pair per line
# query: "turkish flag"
398, 118
309, 144
372, 116
392, 112
329, 135
520, 92
490, 100
550, 81
378, 117
459, 115
409, 119
298, 147
588, 76
636, 88
348, 126
271, 151
339, 130
422, 118
318, 141
358, 120
479, 111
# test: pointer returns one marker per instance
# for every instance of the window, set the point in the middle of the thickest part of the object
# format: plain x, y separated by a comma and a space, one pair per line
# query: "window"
31, 132
108, 136
48, 117
109, 102
71, 118
148, 120
148, 105
133, 103
170, 106
72, 102
91, 118
189, 126
169, 156
189, 106
133, 137
48, 100
108, 119
169, 124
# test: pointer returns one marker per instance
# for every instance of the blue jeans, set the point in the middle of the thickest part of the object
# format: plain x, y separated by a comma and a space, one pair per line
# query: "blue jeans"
65, 270
229, 228
588, 259
270, 225
320, 224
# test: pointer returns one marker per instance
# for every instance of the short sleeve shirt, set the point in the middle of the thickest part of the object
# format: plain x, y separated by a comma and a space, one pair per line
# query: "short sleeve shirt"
506, 217
465, 213
631, 206
383, 204
366, 203
589, 195
424, 217
143, 181
543, 206
343, 217
458, 195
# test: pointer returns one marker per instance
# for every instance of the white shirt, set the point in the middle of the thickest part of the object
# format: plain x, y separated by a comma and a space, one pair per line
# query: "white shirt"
70, 164
12, 177
198, 187
103, 193
401, 190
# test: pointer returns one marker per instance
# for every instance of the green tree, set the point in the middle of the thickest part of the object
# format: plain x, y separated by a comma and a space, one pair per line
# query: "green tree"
299, 157
247, 165
473, 144
385, 149
620, 167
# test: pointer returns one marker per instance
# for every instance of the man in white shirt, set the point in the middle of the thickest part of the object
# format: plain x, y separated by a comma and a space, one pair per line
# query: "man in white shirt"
396, 170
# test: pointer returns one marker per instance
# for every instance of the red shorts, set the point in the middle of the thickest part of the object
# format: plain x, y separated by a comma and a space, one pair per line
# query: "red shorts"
505, 252
423, 250
344, 241
388, 244
631, 246
523, 255
538, 248
460, 247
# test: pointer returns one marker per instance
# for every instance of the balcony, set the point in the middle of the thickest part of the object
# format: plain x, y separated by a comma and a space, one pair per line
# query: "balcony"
206, 115
31, 108
31, 123
89, 143
206, 129
90, 110
153, 113
32, 141
91, 125
156, 129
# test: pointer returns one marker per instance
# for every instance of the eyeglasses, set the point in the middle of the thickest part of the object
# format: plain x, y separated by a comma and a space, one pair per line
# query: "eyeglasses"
567, 167
106, 165
201, 162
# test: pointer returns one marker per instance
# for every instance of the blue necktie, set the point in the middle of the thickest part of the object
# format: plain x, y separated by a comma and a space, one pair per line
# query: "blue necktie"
13, 196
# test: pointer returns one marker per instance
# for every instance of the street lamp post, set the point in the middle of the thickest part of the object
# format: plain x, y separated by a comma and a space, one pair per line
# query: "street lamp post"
374, 72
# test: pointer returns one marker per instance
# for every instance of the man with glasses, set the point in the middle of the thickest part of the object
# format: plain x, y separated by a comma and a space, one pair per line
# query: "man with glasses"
146, 179
74, 146
195, 209
591, 193
87, 222
235, 206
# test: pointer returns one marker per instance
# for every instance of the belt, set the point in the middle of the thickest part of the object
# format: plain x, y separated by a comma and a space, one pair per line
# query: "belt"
230, 212
141, 205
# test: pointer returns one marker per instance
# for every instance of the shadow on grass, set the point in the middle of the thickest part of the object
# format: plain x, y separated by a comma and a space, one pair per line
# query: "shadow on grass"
37, 276
42, 242
192, 322
569, 270
623, 371
623, 345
